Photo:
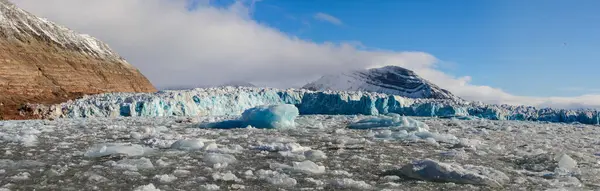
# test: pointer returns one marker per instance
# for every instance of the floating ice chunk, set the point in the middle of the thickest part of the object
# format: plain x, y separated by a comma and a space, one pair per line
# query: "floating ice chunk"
308, 167
431, 170
115, 148
21, 176
149, 187
310, 123
315, 155
209, 187
134, 164
277, 146
274, 116
276, 178
314, 181
402, 128
445, 138
391, 178
228, 176
165, 178
10, 164
181, 173
219, 160
191, 144
390, 121
136, 135
93, 177
28, 140
375, 122
566, 162
340, 173
347, 183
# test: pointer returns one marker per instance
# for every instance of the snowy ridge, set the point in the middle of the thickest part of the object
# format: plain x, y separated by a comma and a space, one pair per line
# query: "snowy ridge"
389, 79
233, 101
18, 24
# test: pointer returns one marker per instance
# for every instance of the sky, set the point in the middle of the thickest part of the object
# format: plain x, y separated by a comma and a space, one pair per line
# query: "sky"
533, 48
535, 52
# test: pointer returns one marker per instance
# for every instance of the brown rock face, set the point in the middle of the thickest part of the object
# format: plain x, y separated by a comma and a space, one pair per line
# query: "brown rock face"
41, 62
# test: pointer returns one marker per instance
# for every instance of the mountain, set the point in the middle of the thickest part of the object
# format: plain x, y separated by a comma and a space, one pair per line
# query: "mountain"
389, 80
42, 62
238, 84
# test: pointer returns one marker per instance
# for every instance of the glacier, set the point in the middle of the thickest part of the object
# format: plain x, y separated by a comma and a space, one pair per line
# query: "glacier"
232, 101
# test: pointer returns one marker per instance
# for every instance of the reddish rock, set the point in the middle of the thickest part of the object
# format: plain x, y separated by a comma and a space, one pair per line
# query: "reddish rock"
42, 62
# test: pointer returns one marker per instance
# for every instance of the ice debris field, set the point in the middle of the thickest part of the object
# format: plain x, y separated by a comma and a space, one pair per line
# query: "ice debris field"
263, 140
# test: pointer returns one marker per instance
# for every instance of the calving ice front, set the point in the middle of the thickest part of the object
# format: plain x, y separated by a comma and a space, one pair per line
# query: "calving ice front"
233, 101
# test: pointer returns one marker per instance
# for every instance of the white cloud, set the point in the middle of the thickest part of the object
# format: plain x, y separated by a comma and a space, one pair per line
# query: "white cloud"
328, 18
176, 47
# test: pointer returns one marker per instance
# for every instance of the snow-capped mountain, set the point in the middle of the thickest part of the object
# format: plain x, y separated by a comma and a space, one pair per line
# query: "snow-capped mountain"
238, 84
389, 80
43, 62
18, 24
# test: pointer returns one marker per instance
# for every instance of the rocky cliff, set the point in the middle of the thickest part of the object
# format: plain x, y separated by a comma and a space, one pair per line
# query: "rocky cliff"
42, 62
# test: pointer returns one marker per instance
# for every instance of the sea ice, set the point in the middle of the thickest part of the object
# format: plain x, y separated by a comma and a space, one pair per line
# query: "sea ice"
276, 178
432, 170
191, 144
392, 121
308, 167
149, 187
219, 160
279, 146
228, 176
133, 164
347, 183
209, 187
116, 148
315, 155
566, 162
165, 178
402, 128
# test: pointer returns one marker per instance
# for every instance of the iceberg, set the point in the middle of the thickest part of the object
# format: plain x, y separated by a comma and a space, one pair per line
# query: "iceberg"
232, 101
432, 170
267, 117
392, 121
275, 116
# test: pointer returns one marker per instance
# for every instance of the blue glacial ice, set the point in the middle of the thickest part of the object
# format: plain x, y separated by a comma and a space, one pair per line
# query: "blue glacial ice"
391, 121
274, 116
224, 101
267, 117
396, 127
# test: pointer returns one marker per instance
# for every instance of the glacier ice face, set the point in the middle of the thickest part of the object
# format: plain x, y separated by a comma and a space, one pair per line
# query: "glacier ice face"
230, 101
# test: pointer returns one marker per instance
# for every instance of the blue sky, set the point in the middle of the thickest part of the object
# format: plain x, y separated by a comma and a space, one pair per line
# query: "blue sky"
530, 48
533, 52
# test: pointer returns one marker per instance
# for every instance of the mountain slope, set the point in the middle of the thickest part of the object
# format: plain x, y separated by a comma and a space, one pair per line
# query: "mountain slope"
389, 79
42, 62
